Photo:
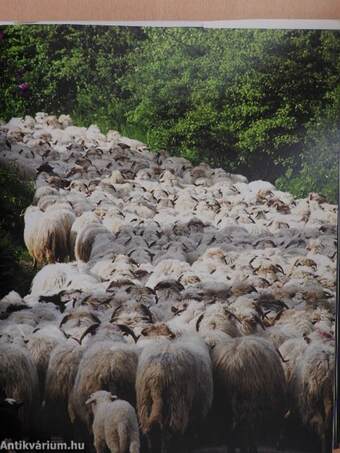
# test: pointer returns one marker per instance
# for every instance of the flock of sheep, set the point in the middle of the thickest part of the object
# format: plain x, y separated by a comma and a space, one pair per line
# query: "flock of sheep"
176, 305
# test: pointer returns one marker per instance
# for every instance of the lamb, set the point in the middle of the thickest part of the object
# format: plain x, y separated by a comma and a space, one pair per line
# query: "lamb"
115, 424
174, 389
250, 388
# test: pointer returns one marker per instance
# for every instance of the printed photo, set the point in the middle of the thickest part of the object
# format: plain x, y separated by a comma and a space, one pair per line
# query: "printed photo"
168, 239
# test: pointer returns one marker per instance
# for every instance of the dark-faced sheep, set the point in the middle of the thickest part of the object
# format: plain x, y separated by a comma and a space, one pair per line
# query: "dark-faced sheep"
11, 425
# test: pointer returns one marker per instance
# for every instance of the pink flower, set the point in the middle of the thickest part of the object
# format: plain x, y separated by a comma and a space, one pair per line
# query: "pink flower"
23, 87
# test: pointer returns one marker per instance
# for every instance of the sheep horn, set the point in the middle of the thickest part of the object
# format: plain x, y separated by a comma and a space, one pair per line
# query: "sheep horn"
128, 331
251, 262
264, 315
228, 312
279, 267
259, 321
198, 322
281, 357
147, 312
114, 313
65, 319
95, 318
278, 316
91, 329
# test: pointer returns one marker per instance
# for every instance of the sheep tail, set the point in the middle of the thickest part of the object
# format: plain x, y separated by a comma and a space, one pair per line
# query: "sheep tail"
155, 417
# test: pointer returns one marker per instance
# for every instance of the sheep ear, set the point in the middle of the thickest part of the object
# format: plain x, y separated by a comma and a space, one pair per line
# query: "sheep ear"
90, 401
114, 397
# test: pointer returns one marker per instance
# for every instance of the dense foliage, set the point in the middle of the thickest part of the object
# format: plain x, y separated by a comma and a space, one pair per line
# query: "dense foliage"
16, 269
264, 103
257, 102
68, 69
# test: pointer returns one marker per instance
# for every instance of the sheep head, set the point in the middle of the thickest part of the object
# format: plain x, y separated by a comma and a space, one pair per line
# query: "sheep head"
158, 329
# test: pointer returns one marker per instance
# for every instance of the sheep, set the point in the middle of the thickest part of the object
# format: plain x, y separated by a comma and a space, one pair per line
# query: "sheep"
174, 389
32, 218
93, 242
19, 380
250, 388
52, 277
41, 344
115, 424
60, 376
219, 317
105, 365
74, 324
11, 426
311, 390
43, 191
165, 251
47, 235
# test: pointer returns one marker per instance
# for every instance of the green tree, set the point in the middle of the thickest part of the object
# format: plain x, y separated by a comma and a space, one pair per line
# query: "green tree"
72, 69
237, 98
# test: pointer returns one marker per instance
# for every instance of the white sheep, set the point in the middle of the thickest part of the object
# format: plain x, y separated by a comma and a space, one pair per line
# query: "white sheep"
115, 424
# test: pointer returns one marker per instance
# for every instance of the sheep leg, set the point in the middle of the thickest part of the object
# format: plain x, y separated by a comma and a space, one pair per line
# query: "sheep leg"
325, 443
154, 439
149, 443
100, 445
165, 438
246, 441
134, 447
251, 440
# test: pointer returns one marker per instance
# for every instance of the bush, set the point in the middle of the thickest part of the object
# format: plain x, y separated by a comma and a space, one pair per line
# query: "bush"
320, 161
16, 269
